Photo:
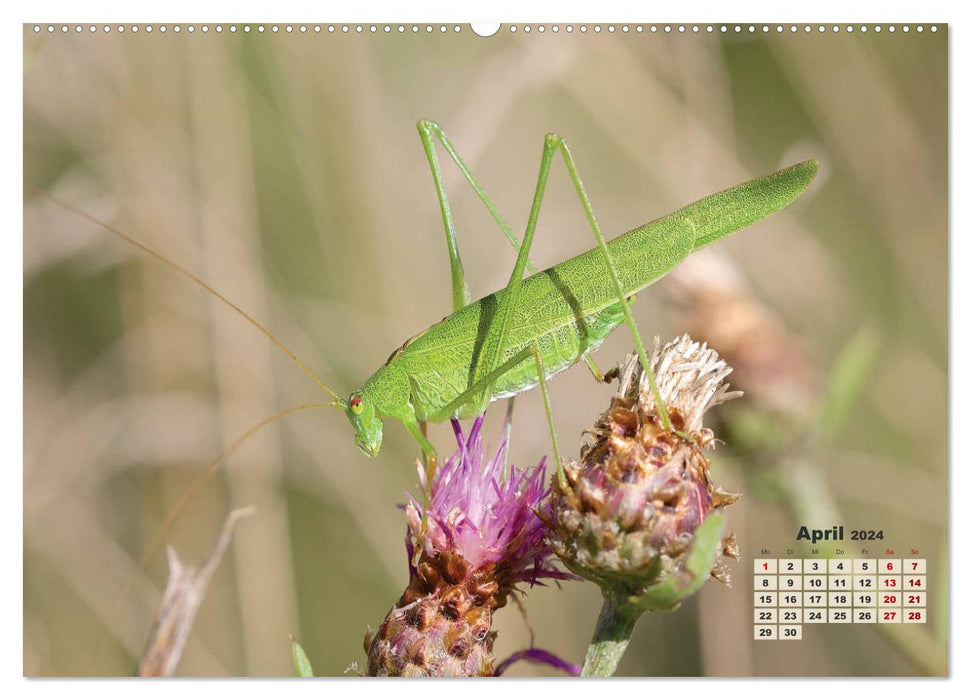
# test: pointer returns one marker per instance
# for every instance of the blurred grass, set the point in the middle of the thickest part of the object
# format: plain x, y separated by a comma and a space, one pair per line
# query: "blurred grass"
286, 171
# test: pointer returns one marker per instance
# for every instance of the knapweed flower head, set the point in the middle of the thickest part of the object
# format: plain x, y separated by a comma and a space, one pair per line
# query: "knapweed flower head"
627, 513
479, 540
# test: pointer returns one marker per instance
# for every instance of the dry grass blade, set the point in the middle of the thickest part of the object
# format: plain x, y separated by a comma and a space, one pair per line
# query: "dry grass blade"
184, 592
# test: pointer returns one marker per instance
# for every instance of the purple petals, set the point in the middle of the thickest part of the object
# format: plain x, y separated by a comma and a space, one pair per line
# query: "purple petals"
539, 656
485, 515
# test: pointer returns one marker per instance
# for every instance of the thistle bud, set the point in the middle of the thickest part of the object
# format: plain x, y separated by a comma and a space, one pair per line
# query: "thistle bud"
627, 515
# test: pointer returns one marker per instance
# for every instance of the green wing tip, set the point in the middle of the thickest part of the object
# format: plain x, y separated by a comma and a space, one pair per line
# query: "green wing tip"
792, 181
808, 168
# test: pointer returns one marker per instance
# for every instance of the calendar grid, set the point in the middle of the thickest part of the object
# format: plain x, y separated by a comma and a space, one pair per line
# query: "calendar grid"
791, 593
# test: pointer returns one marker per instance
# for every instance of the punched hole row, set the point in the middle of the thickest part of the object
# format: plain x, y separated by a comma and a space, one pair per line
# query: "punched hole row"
512, 29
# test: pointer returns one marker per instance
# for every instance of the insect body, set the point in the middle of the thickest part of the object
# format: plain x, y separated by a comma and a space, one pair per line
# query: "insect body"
561, 314
520, 336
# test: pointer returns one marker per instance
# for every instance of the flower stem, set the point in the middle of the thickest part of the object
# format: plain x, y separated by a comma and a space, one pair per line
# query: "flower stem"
610, 638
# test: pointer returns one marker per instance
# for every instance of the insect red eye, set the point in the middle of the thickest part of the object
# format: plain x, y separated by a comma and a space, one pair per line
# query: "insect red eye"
357, 404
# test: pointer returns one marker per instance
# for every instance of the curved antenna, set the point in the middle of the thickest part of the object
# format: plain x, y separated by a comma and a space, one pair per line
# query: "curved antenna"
155, 545
338, 401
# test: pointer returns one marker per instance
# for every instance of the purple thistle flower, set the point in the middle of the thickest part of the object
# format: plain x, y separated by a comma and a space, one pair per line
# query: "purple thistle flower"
481, 538
485, 515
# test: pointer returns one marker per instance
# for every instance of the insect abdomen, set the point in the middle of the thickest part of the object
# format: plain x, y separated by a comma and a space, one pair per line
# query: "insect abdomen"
434, 387
560, 350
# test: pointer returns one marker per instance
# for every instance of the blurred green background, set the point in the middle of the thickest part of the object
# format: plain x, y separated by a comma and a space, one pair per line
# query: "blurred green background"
286, 171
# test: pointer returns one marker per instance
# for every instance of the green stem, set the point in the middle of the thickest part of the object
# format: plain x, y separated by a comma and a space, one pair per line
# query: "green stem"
612, 635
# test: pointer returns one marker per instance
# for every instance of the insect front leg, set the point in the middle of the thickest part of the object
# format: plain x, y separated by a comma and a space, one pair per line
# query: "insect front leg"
417, 430
431, 456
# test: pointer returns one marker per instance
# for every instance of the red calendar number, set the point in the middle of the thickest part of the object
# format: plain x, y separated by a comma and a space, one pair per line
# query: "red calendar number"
890, 582
890, 615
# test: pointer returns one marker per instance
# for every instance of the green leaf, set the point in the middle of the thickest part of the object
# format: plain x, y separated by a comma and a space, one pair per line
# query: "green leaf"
300, 660
847, 379
706, 547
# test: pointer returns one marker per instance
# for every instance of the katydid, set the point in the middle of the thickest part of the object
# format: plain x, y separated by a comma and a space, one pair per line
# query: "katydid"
519, 337
532, 329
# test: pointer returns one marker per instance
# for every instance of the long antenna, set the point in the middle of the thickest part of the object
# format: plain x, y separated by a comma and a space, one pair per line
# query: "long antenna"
338, 401
155, 545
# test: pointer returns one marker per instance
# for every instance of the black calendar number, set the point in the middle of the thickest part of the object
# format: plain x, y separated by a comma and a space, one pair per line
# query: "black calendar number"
765, 633
866, 534
767, 615
789, 632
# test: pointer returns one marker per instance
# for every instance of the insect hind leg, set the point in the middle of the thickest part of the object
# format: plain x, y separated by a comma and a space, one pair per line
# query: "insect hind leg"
560, 144
430, 132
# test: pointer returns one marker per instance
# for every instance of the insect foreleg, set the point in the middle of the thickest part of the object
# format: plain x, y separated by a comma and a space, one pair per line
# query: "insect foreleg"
414, 428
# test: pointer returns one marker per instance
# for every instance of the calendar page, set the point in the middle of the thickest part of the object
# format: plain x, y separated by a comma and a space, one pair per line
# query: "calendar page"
792, 592
525, 348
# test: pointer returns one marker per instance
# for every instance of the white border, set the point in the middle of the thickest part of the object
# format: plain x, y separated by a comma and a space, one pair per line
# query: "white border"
450, 11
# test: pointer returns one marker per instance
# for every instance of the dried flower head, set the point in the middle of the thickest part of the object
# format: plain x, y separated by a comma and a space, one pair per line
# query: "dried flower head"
481, 539
630, 507
713, 299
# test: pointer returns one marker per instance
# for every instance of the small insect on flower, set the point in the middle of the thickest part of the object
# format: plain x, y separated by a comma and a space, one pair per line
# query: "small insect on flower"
628, 512
480, 539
